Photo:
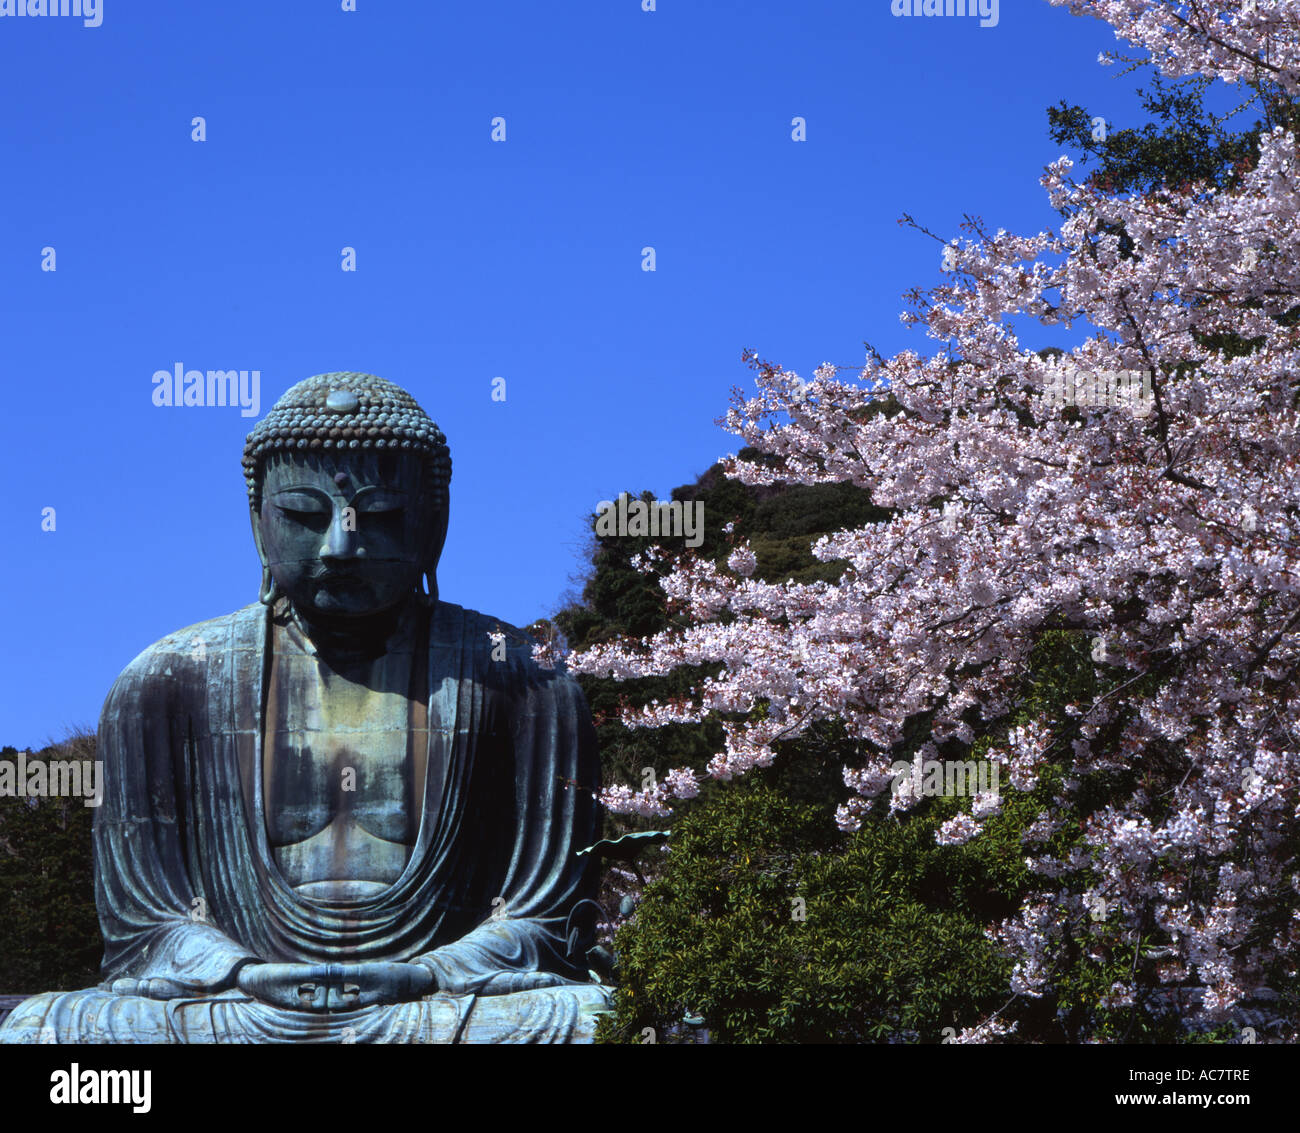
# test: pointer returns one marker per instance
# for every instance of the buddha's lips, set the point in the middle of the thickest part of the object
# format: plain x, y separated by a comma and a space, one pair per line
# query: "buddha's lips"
369, 565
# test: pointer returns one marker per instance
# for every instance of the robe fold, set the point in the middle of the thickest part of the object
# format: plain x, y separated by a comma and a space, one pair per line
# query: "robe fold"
188, 891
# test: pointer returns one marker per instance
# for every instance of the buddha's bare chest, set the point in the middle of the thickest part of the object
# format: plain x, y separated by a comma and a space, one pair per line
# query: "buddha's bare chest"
338, 773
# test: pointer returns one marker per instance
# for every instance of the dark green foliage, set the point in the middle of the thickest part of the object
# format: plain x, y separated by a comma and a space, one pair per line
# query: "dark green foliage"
784, 527
1185, 144
49, 932
768, 927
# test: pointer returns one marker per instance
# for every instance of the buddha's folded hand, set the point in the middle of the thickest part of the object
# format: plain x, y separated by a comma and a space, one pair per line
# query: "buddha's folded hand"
335, 987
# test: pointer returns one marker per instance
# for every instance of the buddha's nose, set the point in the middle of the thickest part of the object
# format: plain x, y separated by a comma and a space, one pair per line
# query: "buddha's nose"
341, 537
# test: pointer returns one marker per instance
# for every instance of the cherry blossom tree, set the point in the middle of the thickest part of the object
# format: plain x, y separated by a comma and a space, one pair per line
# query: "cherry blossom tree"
1158, 523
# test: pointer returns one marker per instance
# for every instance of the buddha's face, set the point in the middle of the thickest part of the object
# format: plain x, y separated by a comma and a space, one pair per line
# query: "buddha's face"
346, 535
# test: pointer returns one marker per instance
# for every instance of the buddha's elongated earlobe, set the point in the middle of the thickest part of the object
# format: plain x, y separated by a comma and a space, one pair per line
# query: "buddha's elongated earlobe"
437, 536
268, 593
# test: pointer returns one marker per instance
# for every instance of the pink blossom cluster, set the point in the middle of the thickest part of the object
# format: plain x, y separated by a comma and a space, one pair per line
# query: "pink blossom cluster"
1170, 538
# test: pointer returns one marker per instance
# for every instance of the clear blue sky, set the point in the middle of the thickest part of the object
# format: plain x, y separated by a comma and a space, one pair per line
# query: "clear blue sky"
475, 260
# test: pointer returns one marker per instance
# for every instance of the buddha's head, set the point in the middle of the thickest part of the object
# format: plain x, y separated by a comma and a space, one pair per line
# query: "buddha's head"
347, 483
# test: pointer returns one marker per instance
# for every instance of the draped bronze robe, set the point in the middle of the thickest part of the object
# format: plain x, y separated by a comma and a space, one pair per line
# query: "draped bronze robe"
187, 888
